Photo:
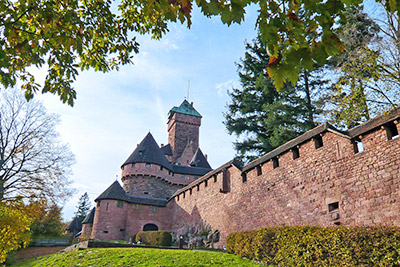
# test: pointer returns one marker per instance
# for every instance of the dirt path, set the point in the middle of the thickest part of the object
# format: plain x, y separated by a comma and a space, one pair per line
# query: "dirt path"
34, 252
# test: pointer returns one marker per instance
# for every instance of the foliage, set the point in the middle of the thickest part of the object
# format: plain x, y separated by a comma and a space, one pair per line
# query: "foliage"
262, 117
14, 226
365, 81
34, 163
83, 207
46, 218
155, 238
139, 257
68, 35
319, 246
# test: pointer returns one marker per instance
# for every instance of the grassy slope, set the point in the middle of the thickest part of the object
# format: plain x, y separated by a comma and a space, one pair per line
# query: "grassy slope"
138, 257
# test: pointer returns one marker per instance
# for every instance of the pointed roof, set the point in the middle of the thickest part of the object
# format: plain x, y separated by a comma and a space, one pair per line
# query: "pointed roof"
184, 108
90, 217
199, 160
114, 191
148, 152
167, 150
75, 226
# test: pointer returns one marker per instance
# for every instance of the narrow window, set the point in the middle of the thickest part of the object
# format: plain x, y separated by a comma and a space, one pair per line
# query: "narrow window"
259, 170
106, 232
391, 131
183, 194
133, 165
275, 162
137, 206
215, 178
107, 207
120, 204
98, 203
336, 223
296, 153
318, 141
244, 177
154, 209
145, 192
177, 197
172, 174
205, 183
198, 187
183, 176
333, 206
148, 165
358, 146
190, 190
161, 168
122, 230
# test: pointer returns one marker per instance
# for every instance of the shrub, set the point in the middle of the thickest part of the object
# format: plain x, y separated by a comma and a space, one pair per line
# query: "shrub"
319, 246
155, 238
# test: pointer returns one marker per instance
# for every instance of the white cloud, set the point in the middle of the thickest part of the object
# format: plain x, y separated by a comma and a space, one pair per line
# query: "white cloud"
223, 88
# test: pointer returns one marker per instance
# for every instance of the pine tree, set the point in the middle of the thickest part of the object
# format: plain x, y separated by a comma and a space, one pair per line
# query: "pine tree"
83, 207
260, 116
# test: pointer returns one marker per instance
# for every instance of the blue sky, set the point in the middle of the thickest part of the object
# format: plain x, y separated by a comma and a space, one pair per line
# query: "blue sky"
114, 111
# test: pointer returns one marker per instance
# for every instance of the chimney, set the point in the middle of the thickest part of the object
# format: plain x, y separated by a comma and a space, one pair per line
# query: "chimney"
206, 156
162, 145
191, 105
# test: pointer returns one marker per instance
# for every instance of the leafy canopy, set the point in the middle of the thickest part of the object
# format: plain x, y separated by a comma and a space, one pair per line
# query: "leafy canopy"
68, 35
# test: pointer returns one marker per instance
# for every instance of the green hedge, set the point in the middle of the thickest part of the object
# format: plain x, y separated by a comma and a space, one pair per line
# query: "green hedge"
319, 246
155, 238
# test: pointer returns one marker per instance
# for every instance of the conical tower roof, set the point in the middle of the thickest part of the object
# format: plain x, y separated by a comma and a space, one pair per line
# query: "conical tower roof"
90, 217
114, 191
148, 152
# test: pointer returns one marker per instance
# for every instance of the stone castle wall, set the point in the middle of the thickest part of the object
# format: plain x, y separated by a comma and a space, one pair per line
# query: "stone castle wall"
330, 185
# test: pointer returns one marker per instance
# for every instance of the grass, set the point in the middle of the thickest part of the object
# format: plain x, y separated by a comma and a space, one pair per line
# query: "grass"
138, 257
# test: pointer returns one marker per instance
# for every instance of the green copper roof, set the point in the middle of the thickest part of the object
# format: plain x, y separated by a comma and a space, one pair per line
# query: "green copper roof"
184, 108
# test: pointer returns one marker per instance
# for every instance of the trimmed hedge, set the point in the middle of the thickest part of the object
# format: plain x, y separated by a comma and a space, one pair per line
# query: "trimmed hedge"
319, 246
155, 238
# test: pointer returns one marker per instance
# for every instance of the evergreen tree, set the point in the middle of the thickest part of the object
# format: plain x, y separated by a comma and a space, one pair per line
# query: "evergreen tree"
84, 207
258, 114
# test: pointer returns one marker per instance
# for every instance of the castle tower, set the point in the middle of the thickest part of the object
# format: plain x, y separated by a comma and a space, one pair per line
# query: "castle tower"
183, 133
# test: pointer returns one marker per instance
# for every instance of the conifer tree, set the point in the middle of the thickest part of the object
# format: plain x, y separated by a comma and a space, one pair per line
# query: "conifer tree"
260, 116
83, 207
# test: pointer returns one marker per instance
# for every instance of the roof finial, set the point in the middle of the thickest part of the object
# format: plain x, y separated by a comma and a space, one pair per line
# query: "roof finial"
116, 177
188, 89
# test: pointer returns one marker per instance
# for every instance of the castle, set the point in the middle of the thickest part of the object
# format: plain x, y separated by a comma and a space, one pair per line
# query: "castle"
323, 177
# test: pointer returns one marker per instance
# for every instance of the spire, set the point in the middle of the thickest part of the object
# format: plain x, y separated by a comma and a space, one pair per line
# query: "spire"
114, 191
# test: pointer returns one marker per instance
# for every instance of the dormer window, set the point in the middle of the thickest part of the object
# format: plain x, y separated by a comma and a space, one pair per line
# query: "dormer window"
140, 152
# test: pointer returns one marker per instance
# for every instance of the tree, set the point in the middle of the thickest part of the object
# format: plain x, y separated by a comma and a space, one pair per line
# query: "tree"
360, 91
14, 229
259, 115
46, 218
83, 207
34, 163
68, 35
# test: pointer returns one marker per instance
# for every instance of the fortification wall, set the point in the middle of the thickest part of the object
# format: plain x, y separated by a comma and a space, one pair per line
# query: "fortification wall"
110, 220
329, 185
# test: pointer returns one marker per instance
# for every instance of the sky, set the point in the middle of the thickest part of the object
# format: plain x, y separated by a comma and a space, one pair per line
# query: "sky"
114, 111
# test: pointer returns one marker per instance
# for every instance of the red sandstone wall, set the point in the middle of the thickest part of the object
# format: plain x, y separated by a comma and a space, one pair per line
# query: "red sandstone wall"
87, 230
108, 217
366, 185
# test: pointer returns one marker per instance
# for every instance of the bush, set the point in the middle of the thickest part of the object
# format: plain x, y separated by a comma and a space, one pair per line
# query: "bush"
155, 238
319, 246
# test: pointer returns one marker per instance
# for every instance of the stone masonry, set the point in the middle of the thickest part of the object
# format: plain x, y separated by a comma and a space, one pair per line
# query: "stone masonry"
324, 177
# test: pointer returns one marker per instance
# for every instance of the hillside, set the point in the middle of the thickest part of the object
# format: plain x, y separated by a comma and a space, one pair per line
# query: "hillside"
138, 257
